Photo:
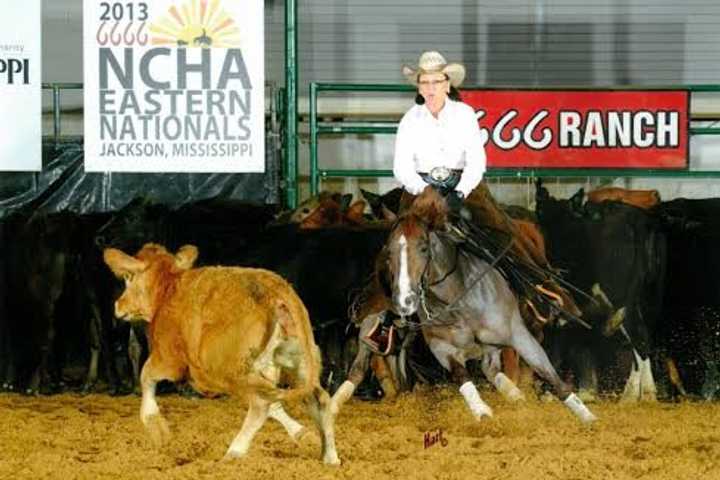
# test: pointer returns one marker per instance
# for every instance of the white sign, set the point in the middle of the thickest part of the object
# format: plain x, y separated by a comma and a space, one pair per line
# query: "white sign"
20, 87
174, 86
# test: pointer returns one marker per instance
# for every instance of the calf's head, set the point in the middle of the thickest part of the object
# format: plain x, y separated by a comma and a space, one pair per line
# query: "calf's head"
147, 276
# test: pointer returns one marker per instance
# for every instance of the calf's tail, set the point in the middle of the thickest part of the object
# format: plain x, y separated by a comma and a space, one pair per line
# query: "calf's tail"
296, 355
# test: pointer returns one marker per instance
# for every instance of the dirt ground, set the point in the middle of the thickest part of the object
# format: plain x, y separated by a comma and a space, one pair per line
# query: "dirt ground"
76, 437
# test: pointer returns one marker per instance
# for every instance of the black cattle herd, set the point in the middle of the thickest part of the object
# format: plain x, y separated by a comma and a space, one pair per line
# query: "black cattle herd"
660, 266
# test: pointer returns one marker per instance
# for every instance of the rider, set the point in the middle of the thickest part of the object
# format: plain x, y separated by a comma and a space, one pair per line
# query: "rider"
440, 134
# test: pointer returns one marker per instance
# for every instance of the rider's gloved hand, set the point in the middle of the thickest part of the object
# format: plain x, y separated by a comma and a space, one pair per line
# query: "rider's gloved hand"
454, 201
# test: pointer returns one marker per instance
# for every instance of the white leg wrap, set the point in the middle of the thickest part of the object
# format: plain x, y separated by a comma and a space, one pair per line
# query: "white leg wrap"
478, 408
579, 409
507, 388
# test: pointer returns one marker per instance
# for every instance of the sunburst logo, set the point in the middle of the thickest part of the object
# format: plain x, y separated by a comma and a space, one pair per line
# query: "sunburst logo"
197, 23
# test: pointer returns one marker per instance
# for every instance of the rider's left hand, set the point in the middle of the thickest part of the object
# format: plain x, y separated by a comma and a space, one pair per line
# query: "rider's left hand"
454, 201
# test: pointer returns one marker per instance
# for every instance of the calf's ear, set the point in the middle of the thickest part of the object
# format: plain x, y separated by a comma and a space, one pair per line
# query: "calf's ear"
121, 263
186, 256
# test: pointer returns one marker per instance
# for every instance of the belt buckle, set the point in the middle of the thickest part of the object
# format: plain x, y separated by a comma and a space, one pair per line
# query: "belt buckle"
440, 174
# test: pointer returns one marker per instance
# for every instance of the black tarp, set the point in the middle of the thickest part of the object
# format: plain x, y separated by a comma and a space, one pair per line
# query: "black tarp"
63, 184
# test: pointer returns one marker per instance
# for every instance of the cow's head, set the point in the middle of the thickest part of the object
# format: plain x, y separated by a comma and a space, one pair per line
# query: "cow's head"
138, 222
385, 206
146, 276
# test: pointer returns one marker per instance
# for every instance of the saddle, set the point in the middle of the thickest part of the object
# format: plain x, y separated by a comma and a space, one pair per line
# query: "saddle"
542, 291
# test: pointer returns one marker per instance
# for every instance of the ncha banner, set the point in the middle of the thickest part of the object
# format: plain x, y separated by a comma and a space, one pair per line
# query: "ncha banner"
174, 86
20, 86
583, 128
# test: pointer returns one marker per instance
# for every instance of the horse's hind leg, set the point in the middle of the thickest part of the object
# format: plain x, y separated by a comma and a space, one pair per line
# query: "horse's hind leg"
491, 366
450, 358
530, 350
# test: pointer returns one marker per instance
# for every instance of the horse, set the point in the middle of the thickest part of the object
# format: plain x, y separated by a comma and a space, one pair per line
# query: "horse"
465, 307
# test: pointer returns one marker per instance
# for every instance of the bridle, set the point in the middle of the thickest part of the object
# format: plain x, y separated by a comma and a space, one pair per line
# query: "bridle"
426, 285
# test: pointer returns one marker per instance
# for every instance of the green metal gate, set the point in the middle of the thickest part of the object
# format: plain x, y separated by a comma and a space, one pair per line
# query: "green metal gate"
318, 128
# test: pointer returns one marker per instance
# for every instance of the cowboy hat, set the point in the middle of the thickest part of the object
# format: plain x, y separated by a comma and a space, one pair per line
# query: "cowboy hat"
434, 62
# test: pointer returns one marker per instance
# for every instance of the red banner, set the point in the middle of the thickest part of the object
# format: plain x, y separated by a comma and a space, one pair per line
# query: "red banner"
581, 129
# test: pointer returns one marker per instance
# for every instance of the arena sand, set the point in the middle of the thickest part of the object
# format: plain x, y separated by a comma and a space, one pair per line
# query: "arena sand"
94, 437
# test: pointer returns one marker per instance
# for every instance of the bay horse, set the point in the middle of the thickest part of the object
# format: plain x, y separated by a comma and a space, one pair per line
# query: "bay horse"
465, 307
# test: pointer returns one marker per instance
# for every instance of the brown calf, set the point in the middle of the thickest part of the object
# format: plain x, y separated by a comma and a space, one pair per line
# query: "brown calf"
229, 330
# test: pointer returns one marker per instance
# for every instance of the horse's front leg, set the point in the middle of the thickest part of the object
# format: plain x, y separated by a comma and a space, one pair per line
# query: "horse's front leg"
492, 366
453, 360
359, 367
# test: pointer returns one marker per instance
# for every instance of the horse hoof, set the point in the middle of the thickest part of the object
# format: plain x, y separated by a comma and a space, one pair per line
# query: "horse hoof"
231, 455
158, 429
483, 412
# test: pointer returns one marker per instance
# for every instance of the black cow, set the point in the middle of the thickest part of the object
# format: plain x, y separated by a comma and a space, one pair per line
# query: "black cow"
6, 374
618, 252
217, 225
49, 286
385, 205
692, 302
105, 340
39, 253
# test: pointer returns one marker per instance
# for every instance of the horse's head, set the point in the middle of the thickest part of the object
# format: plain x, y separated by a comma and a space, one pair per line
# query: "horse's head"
410, 250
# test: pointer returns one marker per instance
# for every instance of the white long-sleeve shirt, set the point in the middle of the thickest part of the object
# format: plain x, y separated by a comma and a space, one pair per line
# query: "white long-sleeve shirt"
452, 140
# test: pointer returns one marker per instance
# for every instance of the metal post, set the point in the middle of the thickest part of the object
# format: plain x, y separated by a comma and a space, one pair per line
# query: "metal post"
56, 113
314, 174
291, 117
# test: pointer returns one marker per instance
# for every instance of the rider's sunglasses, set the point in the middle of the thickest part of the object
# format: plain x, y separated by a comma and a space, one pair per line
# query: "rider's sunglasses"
431, 83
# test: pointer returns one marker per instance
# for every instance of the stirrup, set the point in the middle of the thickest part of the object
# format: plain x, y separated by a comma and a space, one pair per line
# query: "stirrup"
553, 296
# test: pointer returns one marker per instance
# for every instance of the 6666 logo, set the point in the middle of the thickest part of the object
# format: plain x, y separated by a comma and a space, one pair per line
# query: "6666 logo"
122, 23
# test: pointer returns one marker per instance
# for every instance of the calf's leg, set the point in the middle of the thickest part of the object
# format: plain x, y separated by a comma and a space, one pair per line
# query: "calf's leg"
152, 372
293, 428
256, 415
319, 406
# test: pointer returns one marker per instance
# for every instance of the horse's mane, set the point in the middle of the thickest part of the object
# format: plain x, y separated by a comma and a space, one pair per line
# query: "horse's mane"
429, 207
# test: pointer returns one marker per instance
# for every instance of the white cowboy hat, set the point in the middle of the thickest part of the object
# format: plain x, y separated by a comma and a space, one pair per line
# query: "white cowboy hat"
434, 62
